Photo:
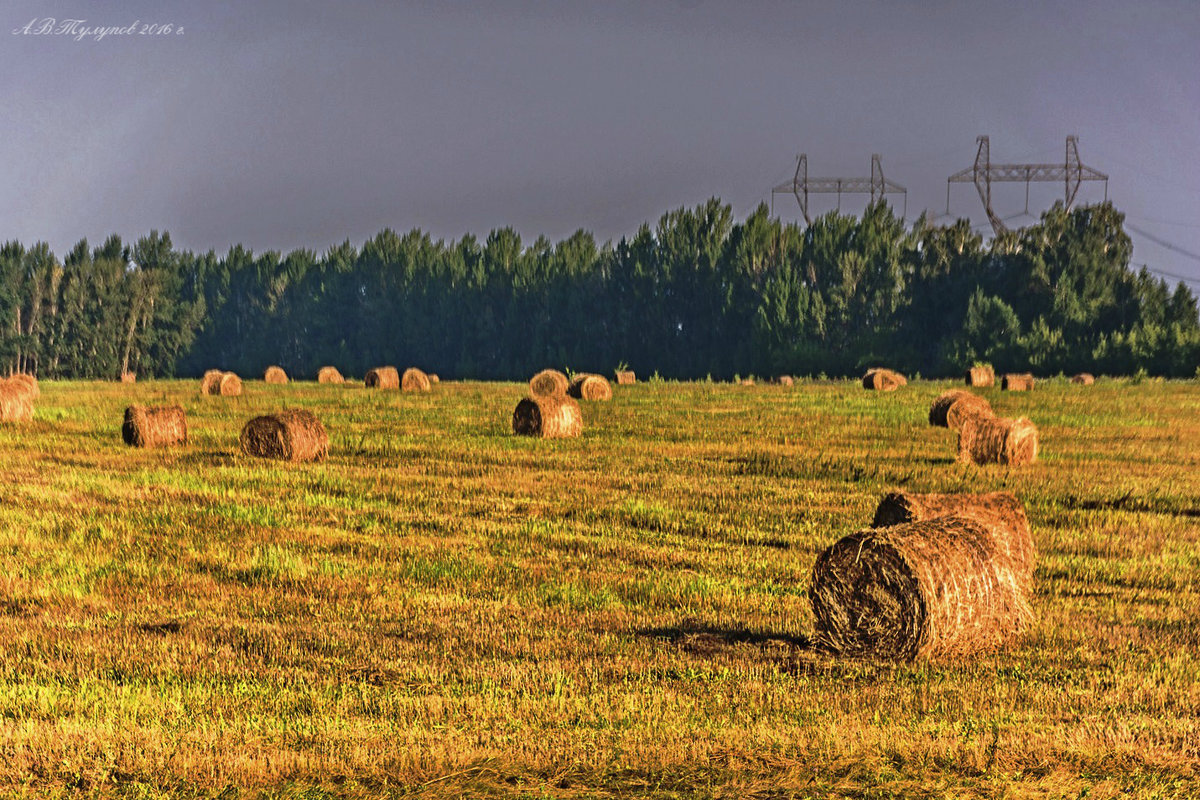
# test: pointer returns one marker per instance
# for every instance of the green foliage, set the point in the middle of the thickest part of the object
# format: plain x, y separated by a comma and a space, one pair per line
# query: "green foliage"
697, 294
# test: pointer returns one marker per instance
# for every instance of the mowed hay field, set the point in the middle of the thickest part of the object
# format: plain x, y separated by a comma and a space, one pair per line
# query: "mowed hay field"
445, 609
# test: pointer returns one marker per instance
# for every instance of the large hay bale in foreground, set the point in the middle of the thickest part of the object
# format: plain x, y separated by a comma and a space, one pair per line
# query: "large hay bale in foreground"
588, 386
883, 380
414, 380
1002, 513
16, 405
626, 377
1022, 382
292, 435
992, 440
548, 417
383, 378
932, 589
26, 383
275, 375
154, 426
1084, 379
329, 375
981, 376
952, 407
548, 383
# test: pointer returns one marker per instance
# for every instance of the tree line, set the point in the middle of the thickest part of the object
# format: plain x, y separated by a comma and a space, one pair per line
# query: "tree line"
699, 294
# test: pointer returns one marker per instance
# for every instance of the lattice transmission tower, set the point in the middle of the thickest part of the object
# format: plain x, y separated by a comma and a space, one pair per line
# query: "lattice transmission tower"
1071, 173
802, 186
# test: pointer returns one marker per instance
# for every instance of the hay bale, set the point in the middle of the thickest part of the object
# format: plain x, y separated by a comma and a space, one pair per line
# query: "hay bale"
414, 380
433, 378
952, 407
981, 376
883, 380
329, 375
746, 382
626, 377
548, 417
786, 380
128, 377
992, 440
230, 385
383, 378
292, 435
931, 589
27, 383
275, 375
154, 426
16, 404
589, 386
548, 383
1014, 382
1001, 512
211, 381
1084, 379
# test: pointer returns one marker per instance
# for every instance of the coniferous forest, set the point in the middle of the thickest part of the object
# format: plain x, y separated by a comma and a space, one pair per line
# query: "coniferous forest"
696, 295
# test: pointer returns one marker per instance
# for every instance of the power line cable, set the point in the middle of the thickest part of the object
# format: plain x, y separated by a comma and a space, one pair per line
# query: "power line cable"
1174, 248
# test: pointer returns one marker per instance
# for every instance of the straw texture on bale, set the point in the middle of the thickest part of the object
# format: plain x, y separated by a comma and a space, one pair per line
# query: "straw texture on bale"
329, 375
884, 380
275, 375
626, 377
1001, 512
1022, 382
414, 380
548, 383
27, 383
548, 417
292, 435
229, 386
154, 426
932, 589
383, 378
981, 376
952, 407
786, 380
992, 440
128, 377
1084, 379
588, 386
211, 381
15, 403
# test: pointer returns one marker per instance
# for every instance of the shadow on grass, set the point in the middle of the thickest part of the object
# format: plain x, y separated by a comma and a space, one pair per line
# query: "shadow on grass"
707, 640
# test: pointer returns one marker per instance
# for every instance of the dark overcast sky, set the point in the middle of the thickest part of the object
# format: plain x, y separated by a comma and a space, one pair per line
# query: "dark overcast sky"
287, 124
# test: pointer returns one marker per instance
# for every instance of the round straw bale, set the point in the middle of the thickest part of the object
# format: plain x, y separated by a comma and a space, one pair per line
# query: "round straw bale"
329, 375
930, 589
383, 378
16, 405
433, 378
1014, 382
275, 375
548, 417
1084, 379
27, 383
992, 440
950, 408
1001, 512
589, 386
229, 386
414, 380
128, 377
884, 380
292, 435
981, 376
746, 382
626, 377
786, 380
211, 381
153, 426
548, 382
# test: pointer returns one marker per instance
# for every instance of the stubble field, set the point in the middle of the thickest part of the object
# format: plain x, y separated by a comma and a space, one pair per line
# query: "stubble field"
444, 609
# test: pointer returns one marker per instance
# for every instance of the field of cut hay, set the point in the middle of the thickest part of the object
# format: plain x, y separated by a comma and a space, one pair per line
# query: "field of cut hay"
443, 608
